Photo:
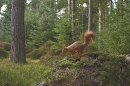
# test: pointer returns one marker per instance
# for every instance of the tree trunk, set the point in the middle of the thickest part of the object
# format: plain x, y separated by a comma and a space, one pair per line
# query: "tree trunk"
111, 6
73, 12
90, 16
69, 11
69, 7
17, 32
99, 20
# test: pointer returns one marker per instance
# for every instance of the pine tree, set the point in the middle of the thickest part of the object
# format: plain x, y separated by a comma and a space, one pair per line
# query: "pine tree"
17, 32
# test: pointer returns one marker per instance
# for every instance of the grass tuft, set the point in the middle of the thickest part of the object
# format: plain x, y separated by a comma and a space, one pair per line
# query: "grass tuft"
30, 74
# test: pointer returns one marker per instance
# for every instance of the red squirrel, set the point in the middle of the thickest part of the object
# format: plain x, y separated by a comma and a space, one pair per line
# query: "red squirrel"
78, 47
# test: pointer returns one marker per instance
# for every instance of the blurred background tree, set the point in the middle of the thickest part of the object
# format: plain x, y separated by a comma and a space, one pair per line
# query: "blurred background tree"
51, 21
5, 20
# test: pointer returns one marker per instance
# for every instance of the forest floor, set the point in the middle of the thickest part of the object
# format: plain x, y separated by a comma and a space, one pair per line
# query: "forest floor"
95, 69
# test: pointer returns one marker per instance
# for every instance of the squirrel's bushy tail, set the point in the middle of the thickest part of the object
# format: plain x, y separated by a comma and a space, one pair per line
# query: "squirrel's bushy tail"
88, 36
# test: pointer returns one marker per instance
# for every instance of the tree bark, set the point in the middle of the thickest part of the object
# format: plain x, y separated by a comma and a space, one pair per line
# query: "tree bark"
90, 16
17, 32
73, 12
99, 20
69, 7
111, 6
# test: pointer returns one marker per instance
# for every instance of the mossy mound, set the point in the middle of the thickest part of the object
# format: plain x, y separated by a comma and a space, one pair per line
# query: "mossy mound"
47, 50
68, 62
43, 53
95, 69
35, 54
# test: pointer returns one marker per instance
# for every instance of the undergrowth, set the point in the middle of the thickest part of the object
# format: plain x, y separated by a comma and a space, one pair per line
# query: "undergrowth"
30, 74
113, 70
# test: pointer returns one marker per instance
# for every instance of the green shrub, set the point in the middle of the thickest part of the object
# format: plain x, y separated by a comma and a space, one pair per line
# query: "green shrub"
45, 48
5, 46
63, 33
91, 48
28, 48
50, 59
11, 78
43, 51
115, 71
35, 54
3, 53
23, 75
115, 36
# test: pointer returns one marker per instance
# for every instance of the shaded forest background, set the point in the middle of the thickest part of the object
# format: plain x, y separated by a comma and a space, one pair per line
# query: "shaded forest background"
51, 22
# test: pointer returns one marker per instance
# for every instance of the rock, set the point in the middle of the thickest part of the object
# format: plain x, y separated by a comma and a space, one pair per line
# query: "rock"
43, 84
91, 56
128, 58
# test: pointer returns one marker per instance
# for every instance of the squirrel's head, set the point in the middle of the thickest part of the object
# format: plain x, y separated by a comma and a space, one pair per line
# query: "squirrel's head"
64, 50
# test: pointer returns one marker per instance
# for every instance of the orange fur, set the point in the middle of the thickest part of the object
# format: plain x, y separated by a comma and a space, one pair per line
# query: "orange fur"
78, 47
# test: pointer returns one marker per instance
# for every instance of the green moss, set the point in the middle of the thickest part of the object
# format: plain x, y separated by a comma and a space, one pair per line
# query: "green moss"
69, 62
